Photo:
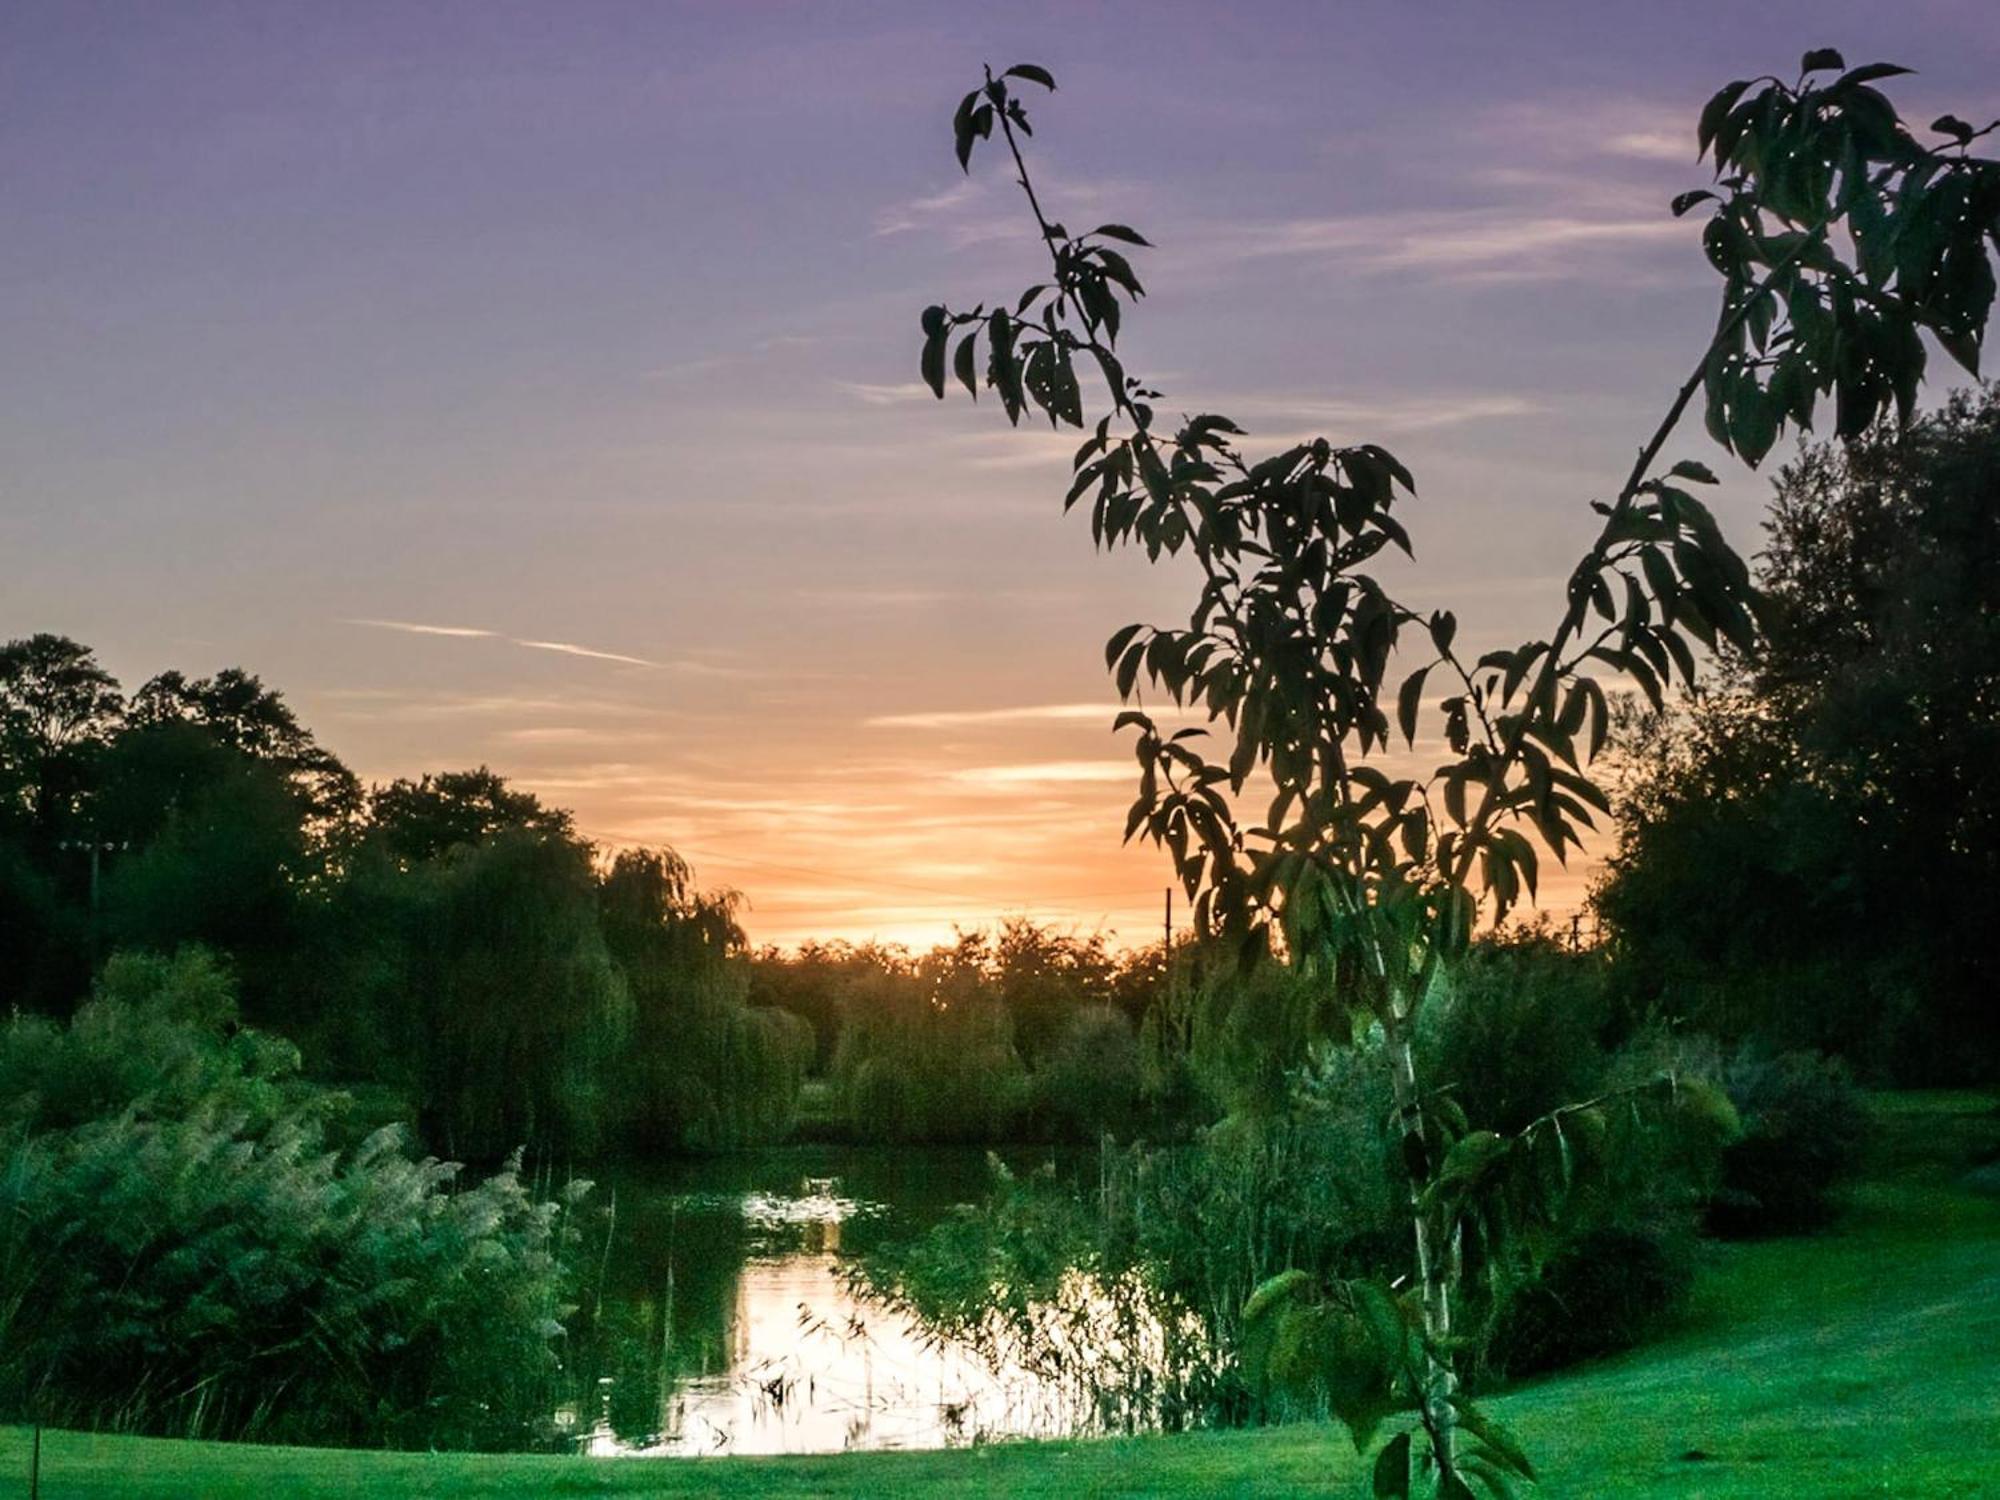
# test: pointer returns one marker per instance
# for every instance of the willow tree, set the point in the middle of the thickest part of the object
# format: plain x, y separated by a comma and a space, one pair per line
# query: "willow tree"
1840, 237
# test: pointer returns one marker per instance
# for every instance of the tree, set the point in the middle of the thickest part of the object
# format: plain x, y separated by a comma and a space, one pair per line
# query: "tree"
57, 707
242, 714
419, 820
703, 1069
1370, 883
1802, 851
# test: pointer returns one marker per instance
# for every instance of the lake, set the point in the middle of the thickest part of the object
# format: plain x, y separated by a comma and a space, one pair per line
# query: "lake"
726, 1326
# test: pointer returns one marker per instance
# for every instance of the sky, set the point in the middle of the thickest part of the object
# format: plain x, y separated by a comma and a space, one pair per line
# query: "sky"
535, 385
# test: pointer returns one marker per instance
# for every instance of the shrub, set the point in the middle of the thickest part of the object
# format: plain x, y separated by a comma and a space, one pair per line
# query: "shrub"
1805, 1125
1606, 1291
1090, 1079
1521, 1032
927, 1055
182, 1251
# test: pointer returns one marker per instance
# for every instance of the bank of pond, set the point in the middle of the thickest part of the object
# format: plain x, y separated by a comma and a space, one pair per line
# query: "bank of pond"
197, 1240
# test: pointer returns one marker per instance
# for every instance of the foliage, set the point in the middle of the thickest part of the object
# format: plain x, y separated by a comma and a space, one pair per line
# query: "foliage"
1090, 1081
521, 1009
1804, 1130
182, 1250
1365, 880
1606, 1292
1801, 852
702, 1070
447, 938
927, 1054
1524, 1026
431, 816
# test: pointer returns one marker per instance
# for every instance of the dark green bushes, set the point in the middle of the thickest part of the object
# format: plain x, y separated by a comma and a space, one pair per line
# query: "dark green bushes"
186, 1249
1300, 1177
1805, 1126
1604, 1291
927, 1054
1090, 1081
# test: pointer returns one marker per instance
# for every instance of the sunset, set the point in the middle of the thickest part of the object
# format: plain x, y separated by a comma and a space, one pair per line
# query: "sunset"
544, 396
1254, 846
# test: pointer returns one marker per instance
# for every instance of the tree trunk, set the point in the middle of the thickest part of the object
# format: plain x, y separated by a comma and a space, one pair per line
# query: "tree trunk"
1435, 1252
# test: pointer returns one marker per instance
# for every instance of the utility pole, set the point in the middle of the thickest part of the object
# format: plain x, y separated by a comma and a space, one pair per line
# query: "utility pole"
98, 848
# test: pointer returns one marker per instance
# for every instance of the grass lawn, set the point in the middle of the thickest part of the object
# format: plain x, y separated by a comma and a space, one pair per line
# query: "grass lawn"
1865, 1361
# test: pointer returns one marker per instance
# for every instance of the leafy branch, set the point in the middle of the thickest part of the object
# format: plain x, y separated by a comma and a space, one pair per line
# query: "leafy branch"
1374, 881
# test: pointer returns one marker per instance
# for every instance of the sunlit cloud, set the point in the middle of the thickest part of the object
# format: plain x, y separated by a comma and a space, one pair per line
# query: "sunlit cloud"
1056, 772
1033, 713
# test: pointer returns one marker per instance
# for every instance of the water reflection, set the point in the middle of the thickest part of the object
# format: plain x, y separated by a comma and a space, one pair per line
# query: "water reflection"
726, 1326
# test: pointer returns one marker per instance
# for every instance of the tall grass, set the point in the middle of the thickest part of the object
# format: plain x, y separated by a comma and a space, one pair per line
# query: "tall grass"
187, 1247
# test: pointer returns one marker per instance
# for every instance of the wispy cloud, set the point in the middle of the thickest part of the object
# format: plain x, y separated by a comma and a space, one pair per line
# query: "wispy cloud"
1417, 413
977, 210
907, 394
1045, 772
925, 210
567, 648
1033, 713
561, 648
1448, 244
466, 632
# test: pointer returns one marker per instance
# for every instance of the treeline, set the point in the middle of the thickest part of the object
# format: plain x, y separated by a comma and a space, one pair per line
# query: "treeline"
449, 939
1023, 1033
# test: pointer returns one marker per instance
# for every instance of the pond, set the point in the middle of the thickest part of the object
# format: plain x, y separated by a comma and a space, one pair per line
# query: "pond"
727, 1327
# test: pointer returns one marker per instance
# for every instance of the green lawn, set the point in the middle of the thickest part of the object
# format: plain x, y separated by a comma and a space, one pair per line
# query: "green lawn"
1861, 1362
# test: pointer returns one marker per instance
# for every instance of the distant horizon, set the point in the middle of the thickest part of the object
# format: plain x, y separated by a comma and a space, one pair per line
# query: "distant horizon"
546, 397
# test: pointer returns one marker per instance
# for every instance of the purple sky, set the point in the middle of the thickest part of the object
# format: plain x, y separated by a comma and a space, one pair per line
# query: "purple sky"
593, 326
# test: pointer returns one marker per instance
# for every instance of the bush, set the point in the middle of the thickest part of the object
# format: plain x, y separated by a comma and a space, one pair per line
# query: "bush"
183, 1252
1603, 1293
1090, 1078
1522, 1031
927, 1055
1805, 1125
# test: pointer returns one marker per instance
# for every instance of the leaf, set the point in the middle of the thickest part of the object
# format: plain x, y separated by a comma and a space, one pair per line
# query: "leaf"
1285, 1287
1954, 127
936, 331
1451, 1487
1392, 1469
1033, 74
1408, 700
1866, 73
1115, 647
1490, 1432
1471, 1155
1821, 60
1685, 201
962, 130
1715, 112
1693, 469
1122, 232
963, 367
